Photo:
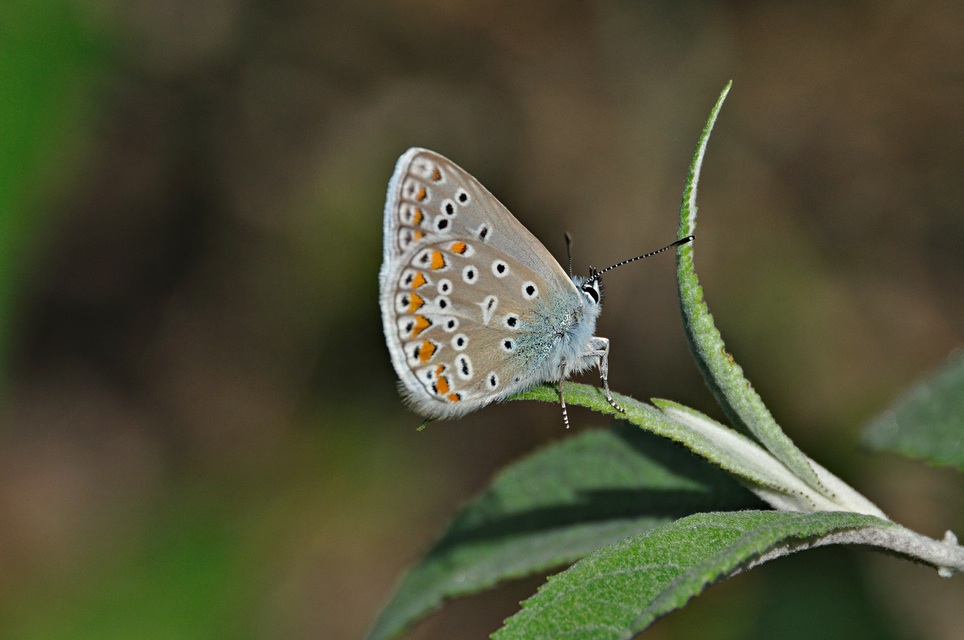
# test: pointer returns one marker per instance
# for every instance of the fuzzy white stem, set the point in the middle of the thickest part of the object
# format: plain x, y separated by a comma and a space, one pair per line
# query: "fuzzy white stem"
945, 555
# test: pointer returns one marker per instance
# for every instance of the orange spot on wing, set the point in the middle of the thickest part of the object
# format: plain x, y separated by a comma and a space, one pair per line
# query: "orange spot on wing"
421, 194
427, 350
415, 303
418, 235
438, 260
417, 217
436, 174
442, 385
421, 324
453, 397
418, 280
458, 247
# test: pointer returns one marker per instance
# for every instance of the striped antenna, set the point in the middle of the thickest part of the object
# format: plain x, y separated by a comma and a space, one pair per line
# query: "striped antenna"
596, 274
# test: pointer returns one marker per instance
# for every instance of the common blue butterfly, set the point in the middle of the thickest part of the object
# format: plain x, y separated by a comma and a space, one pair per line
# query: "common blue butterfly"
475, 308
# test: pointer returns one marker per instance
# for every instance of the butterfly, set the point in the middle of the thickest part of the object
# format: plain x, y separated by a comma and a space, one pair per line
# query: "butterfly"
474, 308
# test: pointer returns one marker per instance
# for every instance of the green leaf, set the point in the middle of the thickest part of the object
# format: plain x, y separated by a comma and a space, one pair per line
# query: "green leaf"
620, 590
555, 507
761, 472
739, 456
732, 451
739, 400
928, 422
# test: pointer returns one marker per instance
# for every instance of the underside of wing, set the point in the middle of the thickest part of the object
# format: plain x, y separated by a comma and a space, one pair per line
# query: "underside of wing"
465, 290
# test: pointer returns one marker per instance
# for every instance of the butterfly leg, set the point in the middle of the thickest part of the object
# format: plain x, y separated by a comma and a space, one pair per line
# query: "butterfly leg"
599, 349
562, 399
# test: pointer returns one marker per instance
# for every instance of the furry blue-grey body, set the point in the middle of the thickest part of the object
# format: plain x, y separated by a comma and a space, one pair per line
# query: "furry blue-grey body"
556, 337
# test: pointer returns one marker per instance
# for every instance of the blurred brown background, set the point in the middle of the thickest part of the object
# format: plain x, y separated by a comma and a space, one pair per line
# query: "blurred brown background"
202, 436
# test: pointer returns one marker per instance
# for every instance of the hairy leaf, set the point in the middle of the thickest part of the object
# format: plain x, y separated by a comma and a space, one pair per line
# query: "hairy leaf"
555, 507
617, 592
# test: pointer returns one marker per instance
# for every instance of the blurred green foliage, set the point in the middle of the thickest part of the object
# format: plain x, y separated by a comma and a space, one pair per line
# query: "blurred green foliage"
47, 57
927, 423
187, 579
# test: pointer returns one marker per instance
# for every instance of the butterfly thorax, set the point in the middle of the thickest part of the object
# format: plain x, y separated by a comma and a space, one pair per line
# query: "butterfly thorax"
558, 333
577, 333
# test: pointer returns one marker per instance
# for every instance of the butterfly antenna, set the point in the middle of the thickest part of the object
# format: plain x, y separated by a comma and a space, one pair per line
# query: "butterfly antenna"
595, 276
569, 251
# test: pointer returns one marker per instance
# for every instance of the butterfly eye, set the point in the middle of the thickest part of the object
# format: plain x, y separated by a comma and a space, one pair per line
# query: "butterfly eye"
591, 289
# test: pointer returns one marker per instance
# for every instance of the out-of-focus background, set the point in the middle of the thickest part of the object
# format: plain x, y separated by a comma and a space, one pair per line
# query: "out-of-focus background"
201, 436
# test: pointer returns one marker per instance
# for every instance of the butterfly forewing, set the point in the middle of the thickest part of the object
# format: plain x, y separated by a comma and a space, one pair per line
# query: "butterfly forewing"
464, 289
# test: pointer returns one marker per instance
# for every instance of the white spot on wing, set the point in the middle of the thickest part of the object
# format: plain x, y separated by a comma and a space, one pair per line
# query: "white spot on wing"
489, 306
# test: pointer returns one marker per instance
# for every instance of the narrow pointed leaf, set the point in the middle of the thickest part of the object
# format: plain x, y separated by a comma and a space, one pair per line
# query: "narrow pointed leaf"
739, 400
620, 590
927, 423
555, 507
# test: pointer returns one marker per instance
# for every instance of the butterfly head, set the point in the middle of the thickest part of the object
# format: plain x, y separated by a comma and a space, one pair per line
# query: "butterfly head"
591, 287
